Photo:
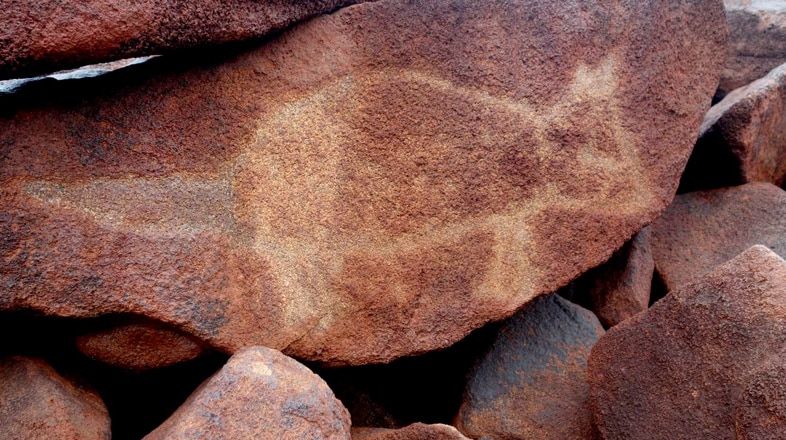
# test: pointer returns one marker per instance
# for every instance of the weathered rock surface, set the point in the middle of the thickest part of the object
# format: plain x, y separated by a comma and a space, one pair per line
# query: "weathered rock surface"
370, 184
532, 383
50, 35
620, 288
259, 393
415, 431
680, 370
757, 40
761, 409
743, 138
37, 403
139, 346
704, 229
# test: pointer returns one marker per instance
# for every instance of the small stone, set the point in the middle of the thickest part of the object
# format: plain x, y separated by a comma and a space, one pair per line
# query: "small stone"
259, 393
38, 403
532, 383
415, 431
139, 346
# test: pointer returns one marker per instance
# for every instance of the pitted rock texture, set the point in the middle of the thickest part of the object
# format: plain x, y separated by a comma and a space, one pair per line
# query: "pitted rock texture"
704, 229
757, 41
761, 408
139, 346
620, 288
415, 431
259, 393
373, 183
533, 381
49, 35
37, 403
742, 138
690, 366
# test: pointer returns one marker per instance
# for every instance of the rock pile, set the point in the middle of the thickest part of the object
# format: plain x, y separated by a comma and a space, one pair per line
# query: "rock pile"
431, 209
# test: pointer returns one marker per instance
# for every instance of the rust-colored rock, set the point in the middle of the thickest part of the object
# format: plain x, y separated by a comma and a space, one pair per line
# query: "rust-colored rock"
37, 403
620, 288
680, 369
415, 431
139, 346
532, 384
48, 35
761, 408
757, 40
259, 393
704, 229
743, 138
373, 183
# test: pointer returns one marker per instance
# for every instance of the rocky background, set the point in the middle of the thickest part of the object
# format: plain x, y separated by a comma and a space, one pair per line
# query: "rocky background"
393, 219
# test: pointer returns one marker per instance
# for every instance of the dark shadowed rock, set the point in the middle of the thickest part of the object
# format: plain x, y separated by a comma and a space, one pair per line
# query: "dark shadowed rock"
416, 431
48, 35
688, 367
259, 393
532, 383
139, 346
373, 183
757, 40
37, 403
704, 229
620, 288
743, 138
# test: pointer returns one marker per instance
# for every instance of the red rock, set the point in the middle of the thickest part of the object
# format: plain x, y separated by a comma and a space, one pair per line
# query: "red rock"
139, 346
259, 393
371, 184
704, 229
757, 41
680, 369
37, 403
48, 35
761, 408
620, 288
532, 383
743, 137
415, 431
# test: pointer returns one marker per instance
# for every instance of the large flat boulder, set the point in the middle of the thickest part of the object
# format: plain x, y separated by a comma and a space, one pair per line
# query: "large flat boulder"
757, 41
704, 229
698, 364
742, 138
373, 183
259, 393
49, 35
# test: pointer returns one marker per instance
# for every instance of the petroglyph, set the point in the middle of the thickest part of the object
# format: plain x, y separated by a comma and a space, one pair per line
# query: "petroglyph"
177, 205
373, 183
297, 186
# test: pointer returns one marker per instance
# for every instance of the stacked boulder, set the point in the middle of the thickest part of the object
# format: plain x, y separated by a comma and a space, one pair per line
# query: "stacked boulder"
342, 186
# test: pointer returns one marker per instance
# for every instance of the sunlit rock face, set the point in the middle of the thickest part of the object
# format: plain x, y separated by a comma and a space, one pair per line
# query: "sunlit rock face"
373, 183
